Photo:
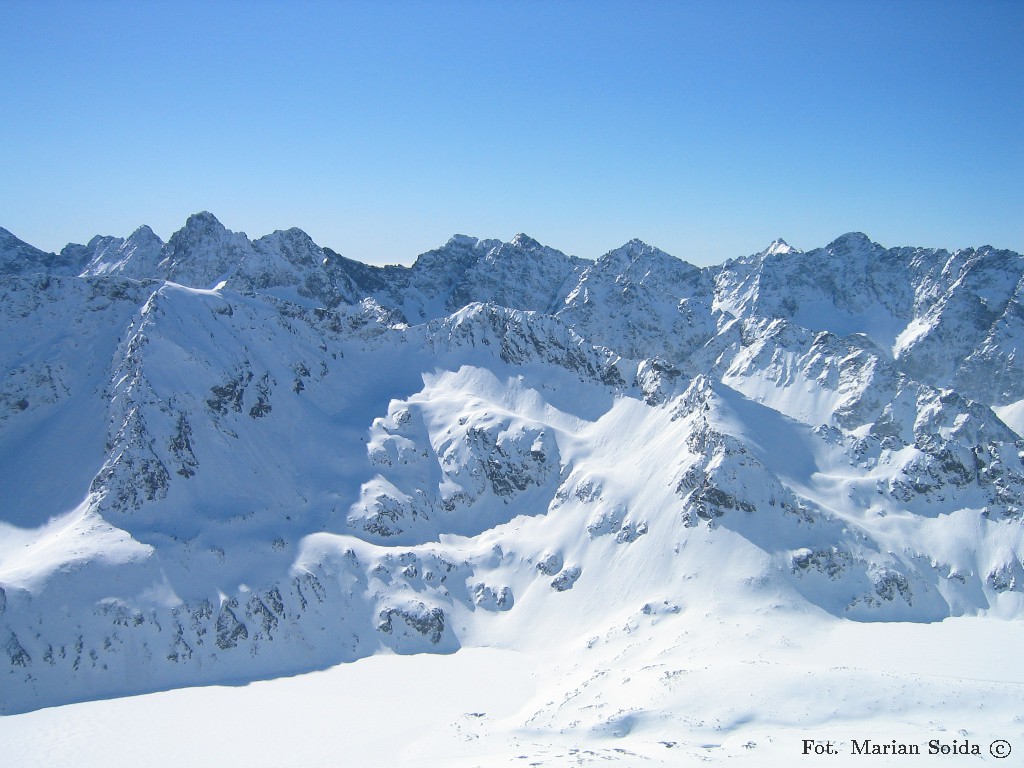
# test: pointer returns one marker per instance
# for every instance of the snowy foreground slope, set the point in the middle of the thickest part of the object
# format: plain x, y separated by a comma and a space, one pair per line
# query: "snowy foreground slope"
703, 510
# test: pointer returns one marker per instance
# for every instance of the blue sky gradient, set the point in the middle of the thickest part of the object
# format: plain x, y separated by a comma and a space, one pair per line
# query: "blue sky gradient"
706, 129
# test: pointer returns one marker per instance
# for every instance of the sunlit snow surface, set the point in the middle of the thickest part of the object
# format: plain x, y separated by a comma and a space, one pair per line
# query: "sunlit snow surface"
721, 692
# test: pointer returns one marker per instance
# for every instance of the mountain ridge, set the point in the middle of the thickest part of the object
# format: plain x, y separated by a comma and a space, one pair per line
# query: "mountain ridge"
231, 459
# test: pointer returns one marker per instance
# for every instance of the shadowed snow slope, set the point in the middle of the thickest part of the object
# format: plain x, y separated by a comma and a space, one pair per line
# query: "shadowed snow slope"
226, 460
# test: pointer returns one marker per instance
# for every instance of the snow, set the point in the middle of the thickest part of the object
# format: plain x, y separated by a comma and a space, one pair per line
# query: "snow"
373, 712
1012, 415
722, 697
504, 507
28, 557
779, 246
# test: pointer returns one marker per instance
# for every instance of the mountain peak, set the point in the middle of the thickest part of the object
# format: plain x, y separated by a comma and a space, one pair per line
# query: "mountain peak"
16, 255
430, 458
779, 246
204, 231
144, 234
462, 241
9, 240
203, 221
636, 244
633, 250
851, 241
522, 240
292, 235
204, 251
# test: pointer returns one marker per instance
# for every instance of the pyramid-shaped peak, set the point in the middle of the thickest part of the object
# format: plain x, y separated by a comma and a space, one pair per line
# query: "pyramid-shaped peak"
635, 249
523, 240
144, 234
778, 246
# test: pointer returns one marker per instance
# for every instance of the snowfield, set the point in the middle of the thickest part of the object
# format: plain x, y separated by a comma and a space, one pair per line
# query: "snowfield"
266, 505
724, 693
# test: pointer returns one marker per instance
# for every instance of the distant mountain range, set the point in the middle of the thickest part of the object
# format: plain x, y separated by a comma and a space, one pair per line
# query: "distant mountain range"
226, 459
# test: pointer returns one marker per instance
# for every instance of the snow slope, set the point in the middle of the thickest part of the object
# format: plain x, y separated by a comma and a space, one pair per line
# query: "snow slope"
715, 698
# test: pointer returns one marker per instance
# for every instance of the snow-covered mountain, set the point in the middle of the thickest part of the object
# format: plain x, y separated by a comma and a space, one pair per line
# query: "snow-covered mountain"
225, 459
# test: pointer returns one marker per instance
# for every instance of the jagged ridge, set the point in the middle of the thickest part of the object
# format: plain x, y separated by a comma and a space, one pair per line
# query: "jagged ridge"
273, 457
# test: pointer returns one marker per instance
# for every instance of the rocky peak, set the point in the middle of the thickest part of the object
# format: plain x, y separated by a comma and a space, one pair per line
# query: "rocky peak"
17, 256
9, 241
98, 254
779, 246
284, 257
289, 238
461, 241
637, 248
144, 235
136, 257
522, 273
459, 250
394, 483
639, 260
204, 251
619, 259
525, 242
200, 228
203, 221
852, 242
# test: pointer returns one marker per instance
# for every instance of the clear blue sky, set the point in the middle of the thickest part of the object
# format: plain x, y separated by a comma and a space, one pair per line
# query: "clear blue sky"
705, 128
